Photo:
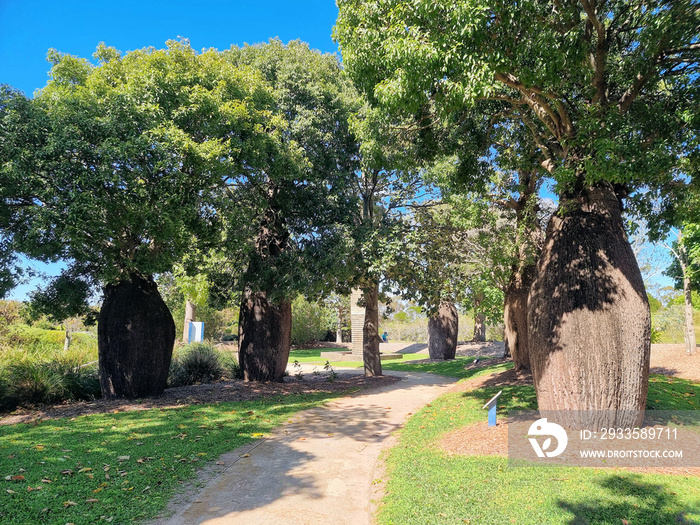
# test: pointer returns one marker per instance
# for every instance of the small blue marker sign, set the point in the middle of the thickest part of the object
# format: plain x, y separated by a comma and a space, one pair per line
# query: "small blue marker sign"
491, 405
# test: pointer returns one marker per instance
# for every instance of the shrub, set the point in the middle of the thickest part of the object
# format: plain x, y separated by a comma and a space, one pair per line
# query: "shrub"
29, 383
30, 335
310, 321
196, 363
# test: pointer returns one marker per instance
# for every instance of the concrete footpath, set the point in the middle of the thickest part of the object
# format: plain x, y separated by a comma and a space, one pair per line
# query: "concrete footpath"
317, 469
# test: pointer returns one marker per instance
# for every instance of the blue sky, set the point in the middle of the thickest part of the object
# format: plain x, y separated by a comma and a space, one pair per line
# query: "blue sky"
29, 29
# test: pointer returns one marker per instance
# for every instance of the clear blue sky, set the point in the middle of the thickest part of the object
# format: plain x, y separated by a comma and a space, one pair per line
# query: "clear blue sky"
29, 28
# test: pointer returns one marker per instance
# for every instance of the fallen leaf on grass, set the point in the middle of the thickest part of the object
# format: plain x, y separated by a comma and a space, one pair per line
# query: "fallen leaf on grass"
44, 480
18, 477
86, 469
123, 458
11, 491
67, 504
98, 489
91, 500
67, 472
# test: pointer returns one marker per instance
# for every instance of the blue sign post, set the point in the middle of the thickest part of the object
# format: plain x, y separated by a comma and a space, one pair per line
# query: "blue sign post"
491, 405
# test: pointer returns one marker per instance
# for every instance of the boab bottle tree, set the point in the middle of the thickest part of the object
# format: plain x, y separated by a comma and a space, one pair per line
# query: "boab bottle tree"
297, 201
604, 87
117, 181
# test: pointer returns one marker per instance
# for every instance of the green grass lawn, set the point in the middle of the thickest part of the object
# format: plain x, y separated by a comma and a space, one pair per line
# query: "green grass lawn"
313, 355
425, 485
123, 467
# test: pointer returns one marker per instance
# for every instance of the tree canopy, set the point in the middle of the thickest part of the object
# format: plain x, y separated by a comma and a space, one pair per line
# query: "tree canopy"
605, 90
121, 179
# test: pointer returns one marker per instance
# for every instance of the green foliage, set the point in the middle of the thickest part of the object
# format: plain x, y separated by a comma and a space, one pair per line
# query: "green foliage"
592, 94
66, 296
128, 145
680, 300
30, 335
299, 203
31, 383
310, 321
10, 313
200, 363
654, 304
668, 323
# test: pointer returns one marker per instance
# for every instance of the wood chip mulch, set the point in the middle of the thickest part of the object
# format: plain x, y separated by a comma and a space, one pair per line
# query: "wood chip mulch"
218, 392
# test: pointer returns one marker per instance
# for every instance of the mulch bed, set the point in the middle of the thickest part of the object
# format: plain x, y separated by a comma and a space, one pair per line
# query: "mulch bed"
219, 392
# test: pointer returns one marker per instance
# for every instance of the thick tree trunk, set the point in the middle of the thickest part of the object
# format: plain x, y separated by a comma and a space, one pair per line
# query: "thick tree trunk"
442, 332
190, 317
135, 338
689, 332
589, 318
264, 337
515, 316
370, 333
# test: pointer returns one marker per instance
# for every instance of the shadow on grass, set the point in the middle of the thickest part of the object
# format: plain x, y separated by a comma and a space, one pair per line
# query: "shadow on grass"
514, 397
633, 501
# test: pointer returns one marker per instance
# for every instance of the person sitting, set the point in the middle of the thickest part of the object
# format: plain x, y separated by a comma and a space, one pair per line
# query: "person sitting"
385, 337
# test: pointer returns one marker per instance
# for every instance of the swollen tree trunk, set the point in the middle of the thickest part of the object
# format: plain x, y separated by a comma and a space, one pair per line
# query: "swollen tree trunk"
264, 337
190, 317
689, 332
515, 316
135, 338
442, 332
589, 318
370, 333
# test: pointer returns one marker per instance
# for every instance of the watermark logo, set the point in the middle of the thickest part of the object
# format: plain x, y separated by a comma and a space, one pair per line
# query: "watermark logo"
542, 427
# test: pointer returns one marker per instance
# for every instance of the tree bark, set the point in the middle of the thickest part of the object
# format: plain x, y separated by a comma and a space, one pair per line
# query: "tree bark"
442, 332
479, 320
515, 316
689, 332
135, 338
370, 332
190, 317
264, 337
589, 318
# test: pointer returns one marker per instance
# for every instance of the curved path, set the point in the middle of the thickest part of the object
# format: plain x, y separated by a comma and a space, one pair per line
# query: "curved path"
316, 469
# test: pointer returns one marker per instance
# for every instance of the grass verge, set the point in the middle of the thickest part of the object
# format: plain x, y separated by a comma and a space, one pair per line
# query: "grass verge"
123, 467
426, 485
